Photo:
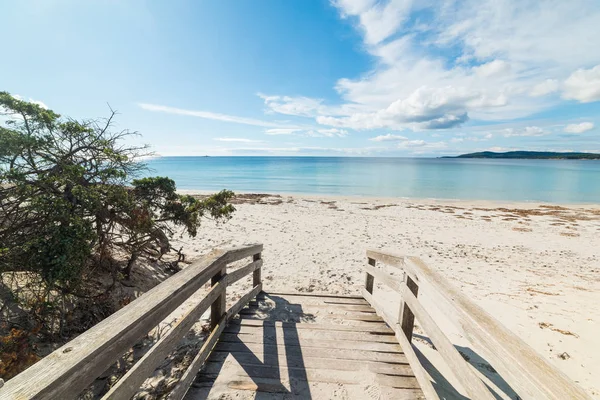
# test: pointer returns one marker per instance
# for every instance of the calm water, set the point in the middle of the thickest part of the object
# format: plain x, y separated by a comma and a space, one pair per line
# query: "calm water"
558, 181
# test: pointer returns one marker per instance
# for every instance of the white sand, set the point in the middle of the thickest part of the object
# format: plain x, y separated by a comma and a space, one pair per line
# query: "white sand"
538, 274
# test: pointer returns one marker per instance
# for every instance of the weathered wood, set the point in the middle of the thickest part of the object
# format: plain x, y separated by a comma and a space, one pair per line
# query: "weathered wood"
321, 307
310, 375
371, 328
420, 374
319, 343
130, 383
369, 280
406, 318
278, 389
313, 334
463, 371
527, 372
392, 282
341, 354
240, 273
315, 295
256, 276
219, 306
325, 316
394, 260
291, 361
70, 369
190, 374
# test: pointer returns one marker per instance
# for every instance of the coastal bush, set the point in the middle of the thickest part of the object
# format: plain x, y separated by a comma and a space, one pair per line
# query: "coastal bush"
72, 208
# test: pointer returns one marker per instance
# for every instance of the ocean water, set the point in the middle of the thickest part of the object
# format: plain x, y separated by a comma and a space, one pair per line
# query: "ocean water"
554, 181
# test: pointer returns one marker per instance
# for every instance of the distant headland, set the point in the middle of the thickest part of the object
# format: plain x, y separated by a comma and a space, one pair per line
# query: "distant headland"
546, 155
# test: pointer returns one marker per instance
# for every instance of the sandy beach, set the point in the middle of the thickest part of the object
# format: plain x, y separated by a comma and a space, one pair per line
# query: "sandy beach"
534, 267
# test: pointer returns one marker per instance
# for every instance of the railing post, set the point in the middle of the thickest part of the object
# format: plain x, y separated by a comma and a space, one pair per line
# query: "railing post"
406, 318
369, 279
219, 306
256, 275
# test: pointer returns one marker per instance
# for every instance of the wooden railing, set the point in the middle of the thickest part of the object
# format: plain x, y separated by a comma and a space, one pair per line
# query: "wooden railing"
527, 372
65, 373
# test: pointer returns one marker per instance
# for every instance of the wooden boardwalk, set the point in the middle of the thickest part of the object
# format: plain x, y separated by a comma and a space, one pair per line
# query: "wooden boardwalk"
306, 346
300, 346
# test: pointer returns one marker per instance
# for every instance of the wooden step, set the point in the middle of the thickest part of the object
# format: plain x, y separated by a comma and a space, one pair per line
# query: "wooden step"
341, 354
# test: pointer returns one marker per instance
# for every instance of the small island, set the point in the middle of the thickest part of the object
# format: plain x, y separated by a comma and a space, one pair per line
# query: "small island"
532, 155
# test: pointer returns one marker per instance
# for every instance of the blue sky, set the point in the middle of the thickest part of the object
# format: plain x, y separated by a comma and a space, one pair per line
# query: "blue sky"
316, 77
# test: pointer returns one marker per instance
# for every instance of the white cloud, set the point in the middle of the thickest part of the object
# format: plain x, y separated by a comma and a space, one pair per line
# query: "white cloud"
579, 128
210, 115
544, 88
529, 131
583, 85
421, 144
333, 132
282, 131
301, 106
378, 20
492, 68
388, 138
239, 140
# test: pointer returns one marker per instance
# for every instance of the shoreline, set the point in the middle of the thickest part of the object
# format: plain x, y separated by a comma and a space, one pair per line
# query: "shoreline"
407, 200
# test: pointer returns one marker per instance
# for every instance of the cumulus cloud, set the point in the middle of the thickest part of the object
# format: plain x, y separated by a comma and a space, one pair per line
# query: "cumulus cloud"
388, 138
583, 85
579, 128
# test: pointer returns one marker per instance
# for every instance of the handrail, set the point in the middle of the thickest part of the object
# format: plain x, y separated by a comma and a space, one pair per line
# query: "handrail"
66, 372
527, 372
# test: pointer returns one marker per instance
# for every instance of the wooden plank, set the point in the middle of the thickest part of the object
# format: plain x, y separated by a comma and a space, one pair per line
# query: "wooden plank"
369, 279
313, 334
303, 319
240, 273
349, 316
420, 374
321, 343
238, 253
219, 306
67, 371
270, 388
307, 375
393, 260
341, 354
527, 372
291, 361
256, 275
370, 327
390, 281
463, 371
130, 383
190, 374
406, 317
312, 307
315, 295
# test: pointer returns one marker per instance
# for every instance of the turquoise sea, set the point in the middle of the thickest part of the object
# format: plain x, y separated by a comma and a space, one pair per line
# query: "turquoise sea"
555, 181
